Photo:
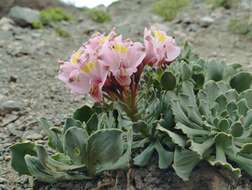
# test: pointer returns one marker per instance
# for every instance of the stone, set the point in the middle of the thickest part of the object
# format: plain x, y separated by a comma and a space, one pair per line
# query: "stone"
206, 21
23, 16
13, 79
9, 106
6, 24
3, 180
6, 5
30, 135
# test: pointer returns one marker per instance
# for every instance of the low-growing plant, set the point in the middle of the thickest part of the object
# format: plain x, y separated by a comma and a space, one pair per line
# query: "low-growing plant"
242, 26
61, 32
147, 99
169, 9
224, 3
50, 16
99, 16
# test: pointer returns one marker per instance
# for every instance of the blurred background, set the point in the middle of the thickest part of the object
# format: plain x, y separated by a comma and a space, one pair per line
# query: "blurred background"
35, 34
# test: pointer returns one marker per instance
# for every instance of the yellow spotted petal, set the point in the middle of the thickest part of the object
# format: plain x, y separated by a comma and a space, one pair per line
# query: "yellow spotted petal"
75, 57
161, 37
88, 67
104, 39
120, 48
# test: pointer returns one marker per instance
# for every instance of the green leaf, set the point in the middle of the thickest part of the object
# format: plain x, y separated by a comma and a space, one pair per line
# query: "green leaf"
165, 157
92, 123
220, 160
190, 132
237, 129
203, 147
241, 81
104, 147
243, 162
186, 72
223, 125
168, 81
63, 158
54, 136
177, 139
246, 149
199, 80
141, 126
223, 139
83, 114
143, 158
184, 162
18, 152
124, 161
247, 120
75, 143
38, 170
247, 94
70, 122
215, 71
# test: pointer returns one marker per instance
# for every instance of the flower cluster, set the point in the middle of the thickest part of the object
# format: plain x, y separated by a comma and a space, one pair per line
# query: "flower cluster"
107, 65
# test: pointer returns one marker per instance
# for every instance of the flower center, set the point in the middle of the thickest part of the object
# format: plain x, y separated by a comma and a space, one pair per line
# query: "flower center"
161, 37
88, 67
103, 40
120, 48
75, 57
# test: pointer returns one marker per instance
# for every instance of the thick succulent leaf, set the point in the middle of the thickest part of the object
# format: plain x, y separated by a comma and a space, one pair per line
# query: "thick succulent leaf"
141, 126
246, 148
177, 139
38, 170
143, 158
63, 158
184, 162
247, 122
124, 161
211, 91
168, 81
165, 157
247, 94
241, 81
83, 114
104, 147
70, 122
92, 123
215, 71
54, 136
223, 125
18, 152
45, 174
221, 160
180, 115
242, 107
223, 139
236, 129
203, 147
186, 72
199, 79
245, 163
75, 143
190, 132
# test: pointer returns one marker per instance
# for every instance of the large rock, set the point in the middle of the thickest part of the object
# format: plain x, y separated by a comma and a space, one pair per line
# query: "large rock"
23, 16
6, 24
5, 5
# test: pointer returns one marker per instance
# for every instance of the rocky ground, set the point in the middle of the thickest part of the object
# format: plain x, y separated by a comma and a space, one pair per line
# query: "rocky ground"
30, 89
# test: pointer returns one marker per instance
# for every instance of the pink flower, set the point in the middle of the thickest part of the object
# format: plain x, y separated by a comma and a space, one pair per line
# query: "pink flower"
160, 48
122, 57
84, 73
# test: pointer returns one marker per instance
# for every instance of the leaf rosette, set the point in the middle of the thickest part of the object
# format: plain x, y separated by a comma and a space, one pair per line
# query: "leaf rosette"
217, 122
